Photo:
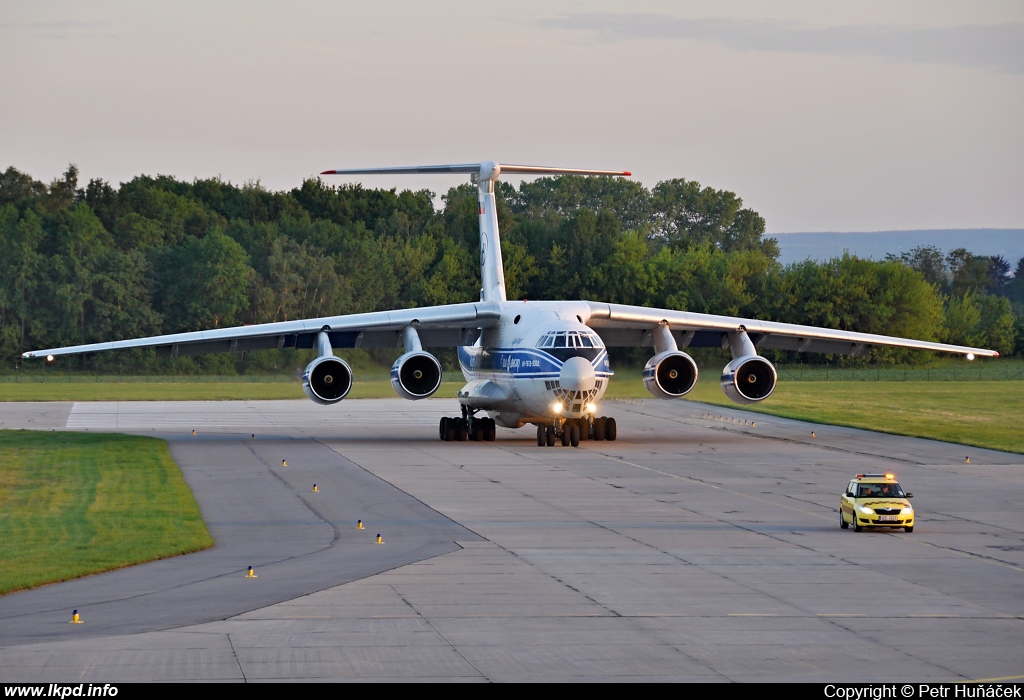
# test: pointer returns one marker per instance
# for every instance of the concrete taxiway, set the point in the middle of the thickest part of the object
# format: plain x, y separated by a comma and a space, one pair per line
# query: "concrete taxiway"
689, 549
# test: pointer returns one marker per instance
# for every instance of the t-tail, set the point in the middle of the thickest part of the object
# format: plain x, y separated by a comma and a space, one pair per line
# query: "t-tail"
484, 175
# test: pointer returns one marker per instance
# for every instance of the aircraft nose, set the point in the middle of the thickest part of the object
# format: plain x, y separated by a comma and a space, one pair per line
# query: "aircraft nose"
577, 375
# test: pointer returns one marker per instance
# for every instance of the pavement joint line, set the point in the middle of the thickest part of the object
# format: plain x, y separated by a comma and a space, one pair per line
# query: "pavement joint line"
235, 655
996, 680
971, 555
438, 632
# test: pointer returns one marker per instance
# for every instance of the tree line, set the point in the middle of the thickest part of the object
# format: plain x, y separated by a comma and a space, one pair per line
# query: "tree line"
157, 255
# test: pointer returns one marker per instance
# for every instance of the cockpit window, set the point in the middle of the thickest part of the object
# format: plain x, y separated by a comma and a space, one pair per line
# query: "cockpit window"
570, 339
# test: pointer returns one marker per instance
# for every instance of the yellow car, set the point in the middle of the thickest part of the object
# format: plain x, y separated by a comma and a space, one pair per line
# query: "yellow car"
876, 500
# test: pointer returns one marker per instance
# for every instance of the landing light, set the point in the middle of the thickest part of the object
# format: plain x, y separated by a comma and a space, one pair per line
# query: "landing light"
970, 357
49, 358
556, 407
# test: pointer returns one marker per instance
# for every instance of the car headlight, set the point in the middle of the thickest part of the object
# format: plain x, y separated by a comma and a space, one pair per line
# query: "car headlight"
865, 510
907, 511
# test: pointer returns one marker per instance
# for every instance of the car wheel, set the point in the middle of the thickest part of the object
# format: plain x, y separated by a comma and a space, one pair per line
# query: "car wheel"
842, 521
908, 529
856, 527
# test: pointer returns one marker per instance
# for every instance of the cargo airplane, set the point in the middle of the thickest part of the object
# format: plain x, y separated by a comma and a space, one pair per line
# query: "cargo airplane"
543, 363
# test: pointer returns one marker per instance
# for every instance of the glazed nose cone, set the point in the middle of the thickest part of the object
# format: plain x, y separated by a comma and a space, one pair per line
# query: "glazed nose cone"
577, 375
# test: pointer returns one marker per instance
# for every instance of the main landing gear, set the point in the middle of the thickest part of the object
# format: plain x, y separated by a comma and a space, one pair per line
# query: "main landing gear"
573, 431
468, 427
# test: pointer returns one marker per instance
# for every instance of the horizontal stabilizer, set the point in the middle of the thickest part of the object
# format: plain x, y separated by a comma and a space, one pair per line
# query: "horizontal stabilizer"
488, 170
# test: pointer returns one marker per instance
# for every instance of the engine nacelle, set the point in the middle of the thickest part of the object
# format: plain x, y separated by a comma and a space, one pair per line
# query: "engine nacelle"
416, 375
749, 379
670, 374
327, 380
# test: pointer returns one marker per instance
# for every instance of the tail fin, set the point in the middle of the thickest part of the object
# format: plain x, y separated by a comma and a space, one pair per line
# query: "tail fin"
484, 175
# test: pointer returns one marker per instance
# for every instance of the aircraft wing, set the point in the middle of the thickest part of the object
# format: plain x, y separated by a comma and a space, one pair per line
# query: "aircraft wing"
620, 325
437, 326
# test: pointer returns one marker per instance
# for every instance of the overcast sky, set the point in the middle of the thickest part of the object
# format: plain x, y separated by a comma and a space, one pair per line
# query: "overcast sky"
822, 116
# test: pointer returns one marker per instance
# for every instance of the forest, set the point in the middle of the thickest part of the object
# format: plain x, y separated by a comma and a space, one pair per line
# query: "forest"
82, 264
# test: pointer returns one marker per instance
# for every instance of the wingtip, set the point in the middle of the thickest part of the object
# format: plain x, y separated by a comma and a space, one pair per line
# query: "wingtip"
997, 354
626, 173
327, 172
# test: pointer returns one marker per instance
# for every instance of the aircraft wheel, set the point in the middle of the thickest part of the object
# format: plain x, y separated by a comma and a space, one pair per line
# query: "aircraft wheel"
574, 435
609, 429
450, 432
842, 521
442, 427
599, 428
541, 441
584, 426
461, 430
490, 430
549, 435
565, 435
477, 434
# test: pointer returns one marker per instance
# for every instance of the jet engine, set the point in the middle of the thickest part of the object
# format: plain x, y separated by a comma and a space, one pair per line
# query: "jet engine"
749, 379
416, 375
327, 380
670, 375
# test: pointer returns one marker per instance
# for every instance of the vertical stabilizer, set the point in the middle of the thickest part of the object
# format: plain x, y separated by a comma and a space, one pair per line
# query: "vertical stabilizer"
492, 270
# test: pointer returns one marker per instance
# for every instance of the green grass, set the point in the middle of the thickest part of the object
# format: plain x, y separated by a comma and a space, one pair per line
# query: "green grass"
74, 504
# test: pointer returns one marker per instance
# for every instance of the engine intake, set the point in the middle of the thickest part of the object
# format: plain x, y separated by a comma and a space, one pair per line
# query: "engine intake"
327, 380
670, 375
749, 379
416, 375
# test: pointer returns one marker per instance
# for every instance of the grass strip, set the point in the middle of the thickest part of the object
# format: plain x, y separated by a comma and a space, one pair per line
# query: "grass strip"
73, 504
982, 414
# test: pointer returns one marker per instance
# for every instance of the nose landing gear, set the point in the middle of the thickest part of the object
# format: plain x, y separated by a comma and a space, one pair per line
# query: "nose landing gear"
573, 431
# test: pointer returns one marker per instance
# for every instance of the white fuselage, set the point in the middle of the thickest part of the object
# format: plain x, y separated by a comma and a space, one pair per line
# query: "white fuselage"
540, 364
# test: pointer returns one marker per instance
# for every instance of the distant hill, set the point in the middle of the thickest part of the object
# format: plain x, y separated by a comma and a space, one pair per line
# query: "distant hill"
794, 247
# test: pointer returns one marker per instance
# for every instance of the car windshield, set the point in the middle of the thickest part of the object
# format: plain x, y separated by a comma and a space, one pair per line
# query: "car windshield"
888, 490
